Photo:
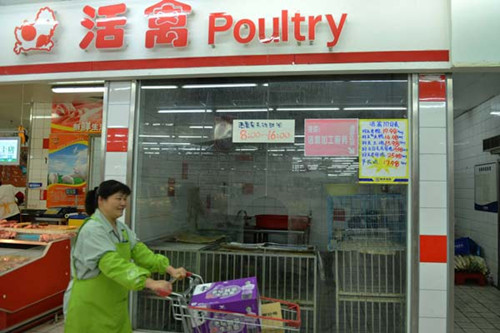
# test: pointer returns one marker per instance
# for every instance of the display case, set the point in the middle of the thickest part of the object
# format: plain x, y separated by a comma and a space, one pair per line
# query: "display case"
33, 278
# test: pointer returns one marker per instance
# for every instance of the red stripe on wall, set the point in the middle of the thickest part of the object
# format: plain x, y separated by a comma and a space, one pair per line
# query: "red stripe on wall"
433, 248
117, 140
432, 88
247, 60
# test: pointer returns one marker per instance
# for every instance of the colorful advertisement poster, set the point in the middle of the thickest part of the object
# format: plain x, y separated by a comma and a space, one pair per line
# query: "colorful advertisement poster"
331, 137
264, 131
76, 117
68, 165
383, 151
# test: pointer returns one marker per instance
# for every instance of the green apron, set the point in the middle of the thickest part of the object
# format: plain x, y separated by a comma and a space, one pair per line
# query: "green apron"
99, 304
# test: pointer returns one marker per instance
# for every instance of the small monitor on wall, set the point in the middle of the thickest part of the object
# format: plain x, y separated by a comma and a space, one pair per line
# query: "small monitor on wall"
10, 148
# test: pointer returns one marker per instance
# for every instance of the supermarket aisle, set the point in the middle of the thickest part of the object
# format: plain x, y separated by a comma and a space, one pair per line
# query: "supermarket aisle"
477, 309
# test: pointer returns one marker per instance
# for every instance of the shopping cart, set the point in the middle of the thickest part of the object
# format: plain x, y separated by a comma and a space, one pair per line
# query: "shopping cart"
203, 320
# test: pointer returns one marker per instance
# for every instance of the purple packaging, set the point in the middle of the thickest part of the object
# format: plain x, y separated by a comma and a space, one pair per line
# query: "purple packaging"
241, 296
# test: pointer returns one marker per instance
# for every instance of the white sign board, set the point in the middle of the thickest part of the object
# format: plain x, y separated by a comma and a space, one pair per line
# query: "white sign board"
70, 36
264, 131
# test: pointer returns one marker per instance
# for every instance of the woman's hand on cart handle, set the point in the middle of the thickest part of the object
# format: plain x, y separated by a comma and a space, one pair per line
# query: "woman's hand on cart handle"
160, 287
177, 273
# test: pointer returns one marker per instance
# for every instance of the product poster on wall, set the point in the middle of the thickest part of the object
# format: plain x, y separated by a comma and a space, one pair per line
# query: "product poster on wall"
485, 187
68, 163
82, 117
383, 151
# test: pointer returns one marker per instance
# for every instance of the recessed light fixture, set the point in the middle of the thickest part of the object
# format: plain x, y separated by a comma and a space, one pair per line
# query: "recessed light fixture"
309, 109
159, 87
495, 113
186, 111
75, 90
375, 108
244, 110
222, 85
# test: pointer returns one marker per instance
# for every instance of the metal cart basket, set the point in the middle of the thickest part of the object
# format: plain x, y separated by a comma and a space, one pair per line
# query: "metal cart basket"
226, 321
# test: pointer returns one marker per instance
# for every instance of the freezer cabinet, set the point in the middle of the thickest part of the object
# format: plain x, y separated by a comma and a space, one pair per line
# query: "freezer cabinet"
33, 278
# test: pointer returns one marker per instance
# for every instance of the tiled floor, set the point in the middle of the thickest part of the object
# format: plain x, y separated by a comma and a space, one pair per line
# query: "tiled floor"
49, 327
477, 309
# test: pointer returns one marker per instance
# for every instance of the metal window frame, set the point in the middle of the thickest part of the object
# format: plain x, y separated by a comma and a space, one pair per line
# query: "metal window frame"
450, 315
413, 228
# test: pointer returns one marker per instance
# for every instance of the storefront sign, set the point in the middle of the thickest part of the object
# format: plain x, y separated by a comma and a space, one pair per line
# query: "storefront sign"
383, 151
68, 36
331, 137
245, 30
76, 117
264, 130
68, 166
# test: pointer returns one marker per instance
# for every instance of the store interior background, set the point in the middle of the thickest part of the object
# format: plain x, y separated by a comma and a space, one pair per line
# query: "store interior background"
30, 105
475, 97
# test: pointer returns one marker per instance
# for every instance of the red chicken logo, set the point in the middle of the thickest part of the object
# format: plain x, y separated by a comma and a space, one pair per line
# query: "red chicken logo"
37, 35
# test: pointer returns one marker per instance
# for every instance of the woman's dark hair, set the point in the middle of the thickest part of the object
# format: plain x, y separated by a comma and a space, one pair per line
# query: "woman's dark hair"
105, 190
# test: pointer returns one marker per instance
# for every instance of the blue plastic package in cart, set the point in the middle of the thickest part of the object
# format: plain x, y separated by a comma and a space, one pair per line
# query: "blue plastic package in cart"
237, 299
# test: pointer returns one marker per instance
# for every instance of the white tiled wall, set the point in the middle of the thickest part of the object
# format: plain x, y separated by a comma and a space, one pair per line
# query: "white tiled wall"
470, 130
433, 276
38, 167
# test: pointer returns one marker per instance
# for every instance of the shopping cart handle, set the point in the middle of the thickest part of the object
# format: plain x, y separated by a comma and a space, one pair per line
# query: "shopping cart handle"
188, 274
162, 293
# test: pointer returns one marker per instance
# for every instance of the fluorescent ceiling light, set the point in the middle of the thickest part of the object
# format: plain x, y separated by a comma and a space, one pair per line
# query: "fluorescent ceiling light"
154, 136
309, 109
299, 144
377, 81
74, 90
193, 136
244, 110
495, 113
246, 149
160, 87
201, 127
185, 111
229, 85
150, 143
60, 83
44, 117
374, 108
175, 143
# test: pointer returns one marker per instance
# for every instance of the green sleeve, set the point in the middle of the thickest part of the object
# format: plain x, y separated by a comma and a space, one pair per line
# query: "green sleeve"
127, 274
144, 257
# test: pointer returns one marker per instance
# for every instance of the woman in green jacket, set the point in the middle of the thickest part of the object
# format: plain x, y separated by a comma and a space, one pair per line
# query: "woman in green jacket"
107, 262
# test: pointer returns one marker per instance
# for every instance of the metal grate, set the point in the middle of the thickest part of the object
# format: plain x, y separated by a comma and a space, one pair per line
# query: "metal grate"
287, 276
368, 237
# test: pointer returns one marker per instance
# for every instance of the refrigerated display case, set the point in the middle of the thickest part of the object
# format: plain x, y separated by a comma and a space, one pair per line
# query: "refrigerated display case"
33, 278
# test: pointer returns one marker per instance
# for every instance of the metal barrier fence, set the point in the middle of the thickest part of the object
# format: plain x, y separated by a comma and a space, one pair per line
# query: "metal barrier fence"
287, 276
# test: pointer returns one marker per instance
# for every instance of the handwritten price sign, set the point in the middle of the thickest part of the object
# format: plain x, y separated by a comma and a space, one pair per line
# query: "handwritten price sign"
264, 131
383, 151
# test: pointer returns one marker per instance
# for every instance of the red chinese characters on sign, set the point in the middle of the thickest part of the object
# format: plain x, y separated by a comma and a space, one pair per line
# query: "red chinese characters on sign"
331, 137
105, 25
167, 24
36, 35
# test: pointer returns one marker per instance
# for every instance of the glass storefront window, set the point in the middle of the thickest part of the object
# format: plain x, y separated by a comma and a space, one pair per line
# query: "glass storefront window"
195, 183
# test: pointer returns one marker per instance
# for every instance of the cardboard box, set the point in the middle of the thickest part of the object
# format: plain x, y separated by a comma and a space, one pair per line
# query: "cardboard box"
240, 296
272, 310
